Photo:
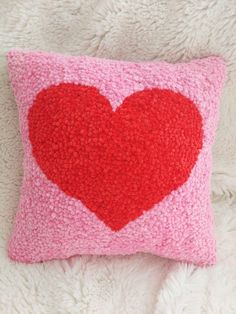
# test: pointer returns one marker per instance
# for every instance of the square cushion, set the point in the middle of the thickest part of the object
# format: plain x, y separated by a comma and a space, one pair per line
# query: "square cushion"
117, 156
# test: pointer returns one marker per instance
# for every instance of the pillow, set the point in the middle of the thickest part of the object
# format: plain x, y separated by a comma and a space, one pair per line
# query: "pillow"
117, 156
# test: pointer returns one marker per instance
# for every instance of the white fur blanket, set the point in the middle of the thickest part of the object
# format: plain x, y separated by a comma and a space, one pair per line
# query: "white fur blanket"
171, 30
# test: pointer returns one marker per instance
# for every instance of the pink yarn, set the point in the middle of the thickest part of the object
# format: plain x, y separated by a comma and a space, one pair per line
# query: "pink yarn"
51, 225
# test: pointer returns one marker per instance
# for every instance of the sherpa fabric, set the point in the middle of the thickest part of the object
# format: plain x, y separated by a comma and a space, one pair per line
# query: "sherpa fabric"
117, 156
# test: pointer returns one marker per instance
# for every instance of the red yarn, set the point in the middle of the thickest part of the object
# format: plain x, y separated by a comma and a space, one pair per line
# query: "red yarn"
119, 164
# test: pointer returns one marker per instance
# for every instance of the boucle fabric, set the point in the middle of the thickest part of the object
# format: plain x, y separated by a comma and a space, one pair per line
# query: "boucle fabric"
117, 156
136, 30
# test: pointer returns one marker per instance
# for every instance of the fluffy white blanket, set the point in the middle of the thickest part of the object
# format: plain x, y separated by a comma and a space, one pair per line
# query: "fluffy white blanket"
172, 30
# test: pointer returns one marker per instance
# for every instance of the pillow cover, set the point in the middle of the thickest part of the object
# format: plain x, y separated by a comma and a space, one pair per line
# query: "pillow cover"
117, 156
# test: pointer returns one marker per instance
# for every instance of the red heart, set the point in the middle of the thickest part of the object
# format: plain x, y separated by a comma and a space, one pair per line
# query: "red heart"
119, 164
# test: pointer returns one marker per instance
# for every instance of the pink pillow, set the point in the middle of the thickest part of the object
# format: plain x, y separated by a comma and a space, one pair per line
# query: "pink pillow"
117, 156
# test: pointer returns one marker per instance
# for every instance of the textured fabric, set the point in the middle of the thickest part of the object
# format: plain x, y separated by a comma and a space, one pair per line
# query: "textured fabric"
119, 164
130, 30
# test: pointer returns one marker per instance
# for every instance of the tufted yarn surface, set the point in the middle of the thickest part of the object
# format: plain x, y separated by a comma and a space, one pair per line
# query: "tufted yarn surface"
117, 156
120, 163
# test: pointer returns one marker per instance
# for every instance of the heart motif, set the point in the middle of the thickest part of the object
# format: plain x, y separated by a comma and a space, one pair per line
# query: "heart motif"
120, 163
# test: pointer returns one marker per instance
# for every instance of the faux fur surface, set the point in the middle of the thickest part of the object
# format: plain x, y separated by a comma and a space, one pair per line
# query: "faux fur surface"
130, 30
